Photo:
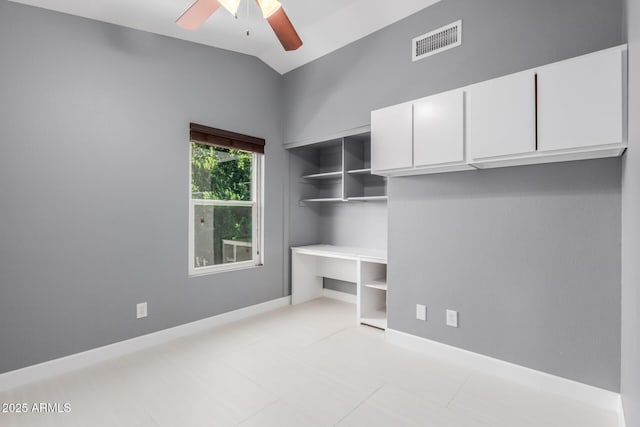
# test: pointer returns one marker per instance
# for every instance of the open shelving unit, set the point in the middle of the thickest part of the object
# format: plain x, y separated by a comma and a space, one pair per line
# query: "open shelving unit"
372, 294
339, 170
359, 183
331, 190
321, 166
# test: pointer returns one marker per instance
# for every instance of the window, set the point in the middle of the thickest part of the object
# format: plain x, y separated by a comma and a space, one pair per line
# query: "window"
225, 218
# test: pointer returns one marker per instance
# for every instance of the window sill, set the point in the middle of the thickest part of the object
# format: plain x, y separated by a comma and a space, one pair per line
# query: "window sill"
223, 268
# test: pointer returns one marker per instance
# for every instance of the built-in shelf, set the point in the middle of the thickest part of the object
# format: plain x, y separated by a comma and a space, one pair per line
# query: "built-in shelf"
367, 199
324, 175
364, 171
377, 284
323, 200
372, 294
349, 199
339, 170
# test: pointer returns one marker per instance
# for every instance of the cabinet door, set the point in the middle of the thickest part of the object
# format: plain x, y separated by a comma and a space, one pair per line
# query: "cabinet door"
392, 138
438, 129
580, 102
501, 116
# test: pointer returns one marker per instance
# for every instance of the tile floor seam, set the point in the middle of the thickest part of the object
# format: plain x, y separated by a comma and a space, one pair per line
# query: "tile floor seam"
324, 338
260, 386
466, 380
259, 410
368, 397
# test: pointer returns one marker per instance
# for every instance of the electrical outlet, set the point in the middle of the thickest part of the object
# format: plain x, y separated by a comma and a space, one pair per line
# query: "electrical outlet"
141, 310
421, 312
452, 318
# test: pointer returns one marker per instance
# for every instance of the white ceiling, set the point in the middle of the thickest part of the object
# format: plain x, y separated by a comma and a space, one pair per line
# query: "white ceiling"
324, 26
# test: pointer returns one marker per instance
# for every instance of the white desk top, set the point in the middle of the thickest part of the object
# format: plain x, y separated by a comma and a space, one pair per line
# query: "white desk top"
342, 252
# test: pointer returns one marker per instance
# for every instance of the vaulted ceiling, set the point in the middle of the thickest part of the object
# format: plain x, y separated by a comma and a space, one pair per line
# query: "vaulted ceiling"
324, 26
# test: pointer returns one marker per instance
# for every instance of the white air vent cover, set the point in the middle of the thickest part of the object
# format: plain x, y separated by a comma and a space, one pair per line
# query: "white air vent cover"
437, 41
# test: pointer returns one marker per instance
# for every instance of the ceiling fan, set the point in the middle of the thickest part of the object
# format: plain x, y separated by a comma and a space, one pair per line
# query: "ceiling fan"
272, 11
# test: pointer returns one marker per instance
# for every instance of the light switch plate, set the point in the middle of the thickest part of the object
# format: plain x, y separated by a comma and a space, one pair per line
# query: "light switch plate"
141, 310
452, 318
421, 312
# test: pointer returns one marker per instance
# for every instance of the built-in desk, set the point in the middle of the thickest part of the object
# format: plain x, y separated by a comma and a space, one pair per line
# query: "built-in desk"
366, 268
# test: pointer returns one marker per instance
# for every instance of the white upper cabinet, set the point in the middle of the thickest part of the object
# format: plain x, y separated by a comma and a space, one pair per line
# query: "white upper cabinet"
392, 138
580, 102
501, 116
423, 136
570, 110
438, 129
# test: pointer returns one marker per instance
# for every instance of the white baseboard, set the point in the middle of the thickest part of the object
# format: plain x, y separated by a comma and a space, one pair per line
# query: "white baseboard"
340, 296
66, 364
622, 422
595, 396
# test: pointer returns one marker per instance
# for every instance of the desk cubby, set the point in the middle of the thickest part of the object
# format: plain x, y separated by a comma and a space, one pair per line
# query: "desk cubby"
364, 267
372, 294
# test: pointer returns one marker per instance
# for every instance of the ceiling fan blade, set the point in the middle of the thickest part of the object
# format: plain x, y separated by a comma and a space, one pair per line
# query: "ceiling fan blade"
283, 28
199, 12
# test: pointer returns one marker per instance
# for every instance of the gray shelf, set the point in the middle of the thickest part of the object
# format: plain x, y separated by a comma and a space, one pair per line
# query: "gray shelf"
324, 175
339, 170
323, 200
367, 199
365, 171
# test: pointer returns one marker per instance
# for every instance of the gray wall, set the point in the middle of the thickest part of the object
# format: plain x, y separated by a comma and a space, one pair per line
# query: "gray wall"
630, 366
94, 180
499, 37
302, 221
529, 256
355, 224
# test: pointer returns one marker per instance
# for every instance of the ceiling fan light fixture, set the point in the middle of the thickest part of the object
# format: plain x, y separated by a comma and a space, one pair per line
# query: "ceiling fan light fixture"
272, 11
269, 7
231, 6
197, 13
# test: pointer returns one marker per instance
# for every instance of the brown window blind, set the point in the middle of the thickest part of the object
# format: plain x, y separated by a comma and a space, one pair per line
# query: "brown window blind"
224, 138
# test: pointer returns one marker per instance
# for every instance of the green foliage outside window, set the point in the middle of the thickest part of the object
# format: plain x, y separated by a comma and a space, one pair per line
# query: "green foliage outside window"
220, 174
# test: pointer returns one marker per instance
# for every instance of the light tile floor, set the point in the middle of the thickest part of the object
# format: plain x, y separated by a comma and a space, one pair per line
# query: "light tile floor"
304, 365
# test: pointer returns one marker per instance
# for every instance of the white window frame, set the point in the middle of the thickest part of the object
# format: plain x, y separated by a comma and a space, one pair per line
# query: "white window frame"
257, 216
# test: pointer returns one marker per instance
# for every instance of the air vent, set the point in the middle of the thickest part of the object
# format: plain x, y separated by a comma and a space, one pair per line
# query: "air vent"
437, 41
